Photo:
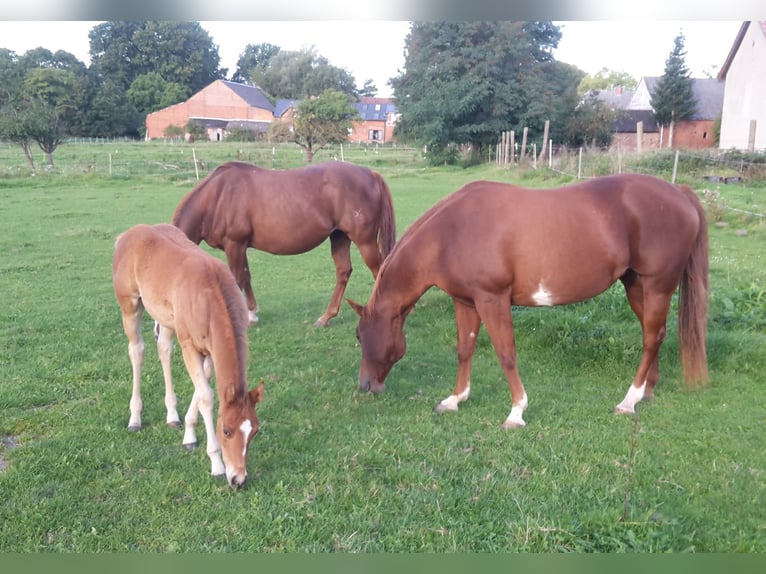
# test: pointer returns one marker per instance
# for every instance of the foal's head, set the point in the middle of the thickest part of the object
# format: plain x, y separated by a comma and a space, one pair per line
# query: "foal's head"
236, 427
383, 344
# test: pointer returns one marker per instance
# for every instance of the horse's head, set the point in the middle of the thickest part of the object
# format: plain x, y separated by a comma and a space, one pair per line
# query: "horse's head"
237, 425
383, 344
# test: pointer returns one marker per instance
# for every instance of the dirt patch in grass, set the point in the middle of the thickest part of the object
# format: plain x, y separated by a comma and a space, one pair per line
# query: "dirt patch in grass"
9, 443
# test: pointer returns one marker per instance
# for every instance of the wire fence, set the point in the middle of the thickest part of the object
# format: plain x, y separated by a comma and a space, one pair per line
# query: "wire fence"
178, 160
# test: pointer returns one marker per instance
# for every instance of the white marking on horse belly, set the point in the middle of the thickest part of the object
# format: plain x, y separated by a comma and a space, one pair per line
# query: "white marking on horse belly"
542, 296
245, 427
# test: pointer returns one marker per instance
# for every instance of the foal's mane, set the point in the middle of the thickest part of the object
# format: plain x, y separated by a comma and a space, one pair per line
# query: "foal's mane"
236, 326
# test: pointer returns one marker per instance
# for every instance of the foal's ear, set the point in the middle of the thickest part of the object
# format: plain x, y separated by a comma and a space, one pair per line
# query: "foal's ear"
256, 395
355, 306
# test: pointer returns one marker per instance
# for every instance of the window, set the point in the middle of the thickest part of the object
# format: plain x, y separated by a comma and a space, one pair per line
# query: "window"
375, 135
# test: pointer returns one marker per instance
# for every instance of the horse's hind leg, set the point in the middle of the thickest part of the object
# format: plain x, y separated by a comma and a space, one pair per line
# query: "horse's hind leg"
468, 325
165, 351
340, 247
654, 309
635, 294
236, 256
132, 311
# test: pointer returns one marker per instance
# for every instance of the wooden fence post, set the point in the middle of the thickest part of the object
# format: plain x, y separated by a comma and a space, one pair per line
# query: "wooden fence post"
523, 144
545, 139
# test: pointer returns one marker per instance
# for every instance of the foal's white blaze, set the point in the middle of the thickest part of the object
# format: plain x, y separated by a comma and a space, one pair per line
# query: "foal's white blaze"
452, 401
542, 296
245, 427
633, 396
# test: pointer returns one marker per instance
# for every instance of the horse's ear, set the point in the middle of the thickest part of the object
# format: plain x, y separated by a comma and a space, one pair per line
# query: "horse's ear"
256, 395
355, 306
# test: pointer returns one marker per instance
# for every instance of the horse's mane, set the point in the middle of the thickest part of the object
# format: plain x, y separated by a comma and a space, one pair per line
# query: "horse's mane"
406, 237
187, 215
232, 300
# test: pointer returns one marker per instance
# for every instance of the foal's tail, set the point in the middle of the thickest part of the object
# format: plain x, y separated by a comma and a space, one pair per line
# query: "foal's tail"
693, 303
387, 223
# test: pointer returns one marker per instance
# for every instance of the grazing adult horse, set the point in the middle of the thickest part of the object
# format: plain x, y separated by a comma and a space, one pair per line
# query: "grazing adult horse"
287, 212
191, 293
492, 245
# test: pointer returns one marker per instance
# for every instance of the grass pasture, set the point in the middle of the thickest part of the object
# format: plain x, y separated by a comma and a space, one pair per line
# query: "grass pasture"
334, 470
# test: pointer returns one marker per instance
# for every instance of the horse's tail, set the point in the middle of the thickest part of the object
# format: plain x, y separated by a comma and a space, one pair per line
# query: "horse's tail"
693, 303
387, 224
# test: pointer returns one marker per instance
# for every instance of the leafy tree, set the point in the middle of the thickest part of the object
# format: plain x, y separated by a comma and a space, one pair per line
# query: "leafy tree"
673, 98
302, 74
14, 128
606, 79
466, 82
181, 53
591, 123
323, 120
369, 89
112, 113
150, 92
254, 57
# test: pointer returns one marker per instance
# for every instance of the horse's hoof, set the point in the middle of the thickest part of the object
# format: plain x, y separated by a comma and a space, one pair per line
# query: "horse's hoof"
174, 424
513, 425
134, 428
618, 410
320, 323
441, 408
190, 446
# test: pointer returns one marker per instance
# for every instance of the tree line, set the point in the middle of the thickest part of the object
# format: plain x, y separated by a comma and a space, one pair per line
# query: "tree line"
462, 85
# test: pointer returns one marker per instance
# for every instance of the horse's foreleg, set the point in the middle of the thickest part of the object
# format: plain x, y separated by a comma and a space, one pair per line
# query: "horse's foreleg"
165, 351
468, 325
655, 307
202, 403
496, 315
236, 256
340, 247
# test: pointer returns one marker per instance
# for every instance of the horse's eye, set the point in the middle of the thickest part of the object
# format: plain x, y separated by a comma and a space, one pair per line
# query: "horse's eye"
227, 433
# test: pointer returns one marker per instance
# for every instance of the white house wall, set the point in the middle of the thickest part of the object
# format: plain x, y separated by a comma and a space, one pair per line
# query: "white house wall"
745, 94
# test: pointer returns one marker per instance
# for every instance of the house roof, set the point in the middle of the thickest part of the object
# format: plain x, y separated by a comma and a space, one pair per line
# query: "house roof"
375, 109
737, 43
617, 98
284, 105
252, 95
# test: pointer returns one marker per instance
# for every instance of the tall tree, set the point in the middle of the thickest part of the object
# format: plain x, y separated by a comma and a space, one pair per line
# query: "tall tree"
369, 89
466, 82
673, 98
323, 120
303, 74
254, 57
181, 53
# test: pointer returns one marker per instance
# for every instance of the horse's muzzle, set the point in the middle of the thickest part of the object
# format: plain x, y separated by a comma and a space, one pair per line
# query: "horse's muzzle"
368, 384
237, 482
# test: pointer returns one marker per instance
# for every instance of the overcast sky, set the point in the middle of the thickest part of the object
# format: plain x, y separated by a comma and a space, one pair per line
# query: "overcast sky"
375, 49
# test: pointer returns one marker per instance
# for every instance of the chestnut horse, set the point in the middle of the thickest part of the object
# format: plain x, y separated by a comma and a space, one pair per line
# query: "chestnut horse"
191, 293
492, 245
287, 212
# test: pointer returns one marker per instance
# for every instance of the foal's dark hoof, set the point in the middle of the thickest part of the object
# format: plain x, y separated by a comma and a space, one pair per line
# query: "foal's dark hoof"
190, 446
134, 428
174, 425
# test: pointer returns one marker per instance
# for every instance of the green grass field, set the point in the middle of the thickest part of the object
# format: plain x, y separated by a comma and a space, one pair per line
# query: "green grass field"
335, 470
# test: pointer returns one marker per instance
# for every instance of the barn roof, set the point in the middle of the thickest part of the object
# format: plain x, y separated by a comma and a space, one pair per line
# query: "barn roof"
707, 91
252, 95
